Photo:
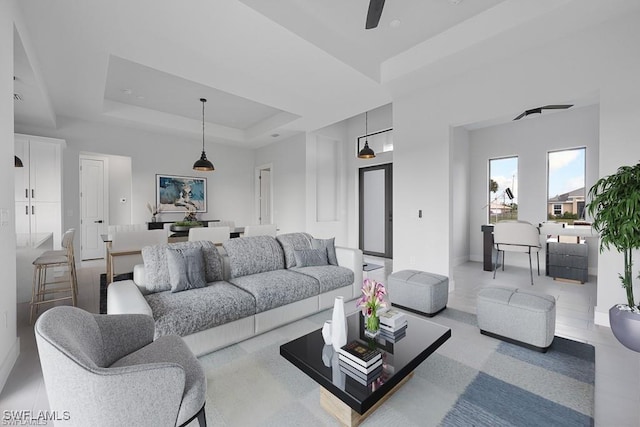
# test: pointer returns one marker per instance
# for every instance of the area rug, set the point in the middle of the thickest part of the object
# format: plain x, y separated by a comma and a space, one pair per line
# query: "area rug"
472, 380
103, 288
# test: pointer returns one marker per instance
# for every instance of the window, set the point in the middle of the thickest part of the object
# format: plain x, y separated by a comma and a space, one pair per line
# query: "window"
566, 184
557, 209
379, 142
503, 189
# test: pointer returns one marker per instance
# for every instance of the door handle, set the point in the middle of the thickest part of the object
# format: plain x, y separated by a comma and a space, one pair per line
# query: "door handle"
33, 193
26, 210
26, 193
33, 210
98, 222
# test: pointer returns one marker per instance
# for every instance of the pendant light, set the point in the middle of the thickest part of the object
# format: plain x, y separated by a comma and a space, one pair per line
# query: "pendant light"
366, 152
203, 164
17, 162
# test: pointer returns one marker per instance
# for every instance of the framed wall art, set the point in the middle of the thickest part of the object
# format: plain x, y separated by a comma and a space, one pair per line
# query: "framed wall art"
181, 193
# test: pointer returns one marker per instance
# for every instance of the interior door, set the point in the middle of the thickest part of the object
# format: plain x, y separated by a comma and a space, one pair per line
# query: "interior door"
92, 207
265, 196
376, 210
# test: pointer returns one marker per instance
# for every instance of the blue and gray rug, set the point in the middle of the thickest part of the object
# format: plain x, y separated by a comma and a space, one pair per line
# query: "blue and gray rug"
472, 380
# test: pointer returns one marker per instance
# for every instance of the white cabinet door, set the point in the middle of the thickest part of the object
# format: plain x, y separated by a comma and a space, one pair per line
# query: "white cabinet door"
45, 174
22, 174
46, 218
23, 217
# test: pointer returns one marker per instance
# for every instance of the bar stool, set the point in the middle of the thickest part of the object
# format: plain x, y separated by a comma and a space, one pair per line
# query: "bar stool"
63, 258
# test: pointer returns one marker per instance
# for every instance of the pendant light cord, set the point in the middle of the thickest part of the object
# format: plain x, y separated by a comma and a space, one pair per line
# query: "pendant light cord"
203, 101
366, 127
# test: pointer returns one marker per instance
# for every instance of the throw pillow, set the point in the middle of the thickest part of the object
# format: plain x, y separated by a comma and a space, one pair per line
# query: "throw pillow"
310, 257
186, 269
157, 272
329, 244
292, 241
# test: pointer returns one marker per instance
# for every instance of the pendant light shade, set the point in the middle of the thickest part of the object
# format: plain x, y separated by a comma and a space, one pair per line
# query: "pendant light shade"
366, 152
17, 162
203, 164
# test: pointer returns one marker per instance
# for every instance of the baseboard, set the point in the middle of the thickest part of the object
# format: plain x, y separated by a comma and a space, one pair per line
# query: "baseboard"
601, 318
9, 362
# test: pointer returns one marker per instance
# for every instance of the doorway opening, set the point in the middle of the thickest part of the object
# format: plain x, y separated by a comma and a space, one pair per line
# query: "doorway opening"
376, 210
264, 189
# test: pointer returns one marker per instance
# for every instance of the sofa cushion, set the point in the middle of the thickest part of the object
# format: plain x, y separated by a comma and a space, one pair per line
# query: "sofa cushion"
185, 313
310, 257
252, 255
157, 268
291, 242
330, 277
273, 289
329, 245
186, 269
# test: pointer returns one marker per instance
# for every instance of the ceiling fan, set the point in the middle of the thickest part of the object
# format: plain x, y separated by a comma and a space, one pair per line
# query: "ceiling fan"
546, 107
374, 13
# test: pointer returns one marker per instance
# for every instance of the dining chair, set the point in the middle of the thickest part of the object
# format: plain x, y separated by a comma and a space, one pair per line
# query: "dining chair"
126, 249
126, 227
516, 236
217, 235
260, 230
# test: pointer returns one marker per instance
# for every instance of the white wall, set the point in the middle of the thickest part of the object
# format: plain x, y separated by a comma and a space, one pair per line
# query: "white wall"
229, 187
530, 140
9, 342
603, 59
120, 184
379, 119
459, 200
288, 158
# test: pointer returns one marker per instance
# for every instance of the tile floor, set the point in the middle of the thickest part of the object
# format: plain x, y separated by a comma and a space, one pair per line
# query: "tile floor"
617, 390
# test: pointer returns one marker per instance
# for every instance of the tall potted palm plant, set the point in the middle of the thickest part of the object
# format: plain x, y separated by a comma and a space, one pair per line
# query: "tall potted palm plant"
615, 208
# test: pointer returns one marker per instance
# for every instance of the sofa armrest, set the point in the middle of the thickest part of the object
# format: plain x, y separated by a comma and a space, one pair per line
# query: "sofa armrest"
124, 297
139, 275
352, 259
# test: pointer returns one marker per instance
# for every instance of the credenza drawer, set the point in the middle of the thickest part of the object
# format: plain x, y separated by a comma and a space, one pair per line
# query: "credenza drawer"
570, 273
568, 261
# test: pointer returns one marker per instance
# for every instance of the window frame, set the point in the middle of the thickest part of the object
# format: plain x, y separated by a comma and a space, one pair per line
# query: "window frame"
584, 196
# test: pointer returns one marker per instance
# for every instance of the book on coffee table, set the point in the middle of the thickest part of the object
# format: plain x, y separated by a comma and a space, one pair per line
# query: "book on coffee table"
360, 353
358, 366
359, 376
392, 318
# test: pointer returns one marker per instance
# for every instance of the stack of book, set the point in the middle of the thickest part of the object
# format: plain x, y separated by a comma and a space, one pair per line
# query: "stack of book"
393, 325
360, 362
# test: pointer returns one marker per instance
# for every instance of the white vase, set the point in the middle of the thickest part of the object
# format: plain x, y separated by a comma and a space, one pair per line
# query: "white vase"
326, 332
338, 324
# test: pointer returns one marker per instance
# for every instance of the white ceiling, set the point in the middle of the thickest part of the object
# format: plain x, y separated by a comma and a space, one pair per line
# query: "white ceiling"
266, 67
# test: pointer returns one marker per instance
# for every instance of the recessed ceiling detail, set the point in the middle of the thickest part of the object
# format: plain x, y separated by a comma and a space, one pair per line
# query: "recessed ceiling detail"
145, 87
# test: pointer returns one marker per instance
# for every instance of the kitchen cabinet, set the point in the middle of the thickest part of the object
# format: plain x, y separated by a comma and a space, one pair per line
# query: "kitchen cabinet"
38, 186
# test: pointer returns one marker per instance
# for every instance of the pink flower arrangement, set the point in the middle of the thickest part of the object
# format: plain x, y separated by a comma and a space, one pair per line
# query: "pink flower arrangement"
372, 298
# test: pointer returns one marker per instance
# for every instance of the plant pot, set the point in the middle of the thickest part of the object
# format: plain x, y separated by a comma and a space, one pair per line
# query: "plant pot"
625, 326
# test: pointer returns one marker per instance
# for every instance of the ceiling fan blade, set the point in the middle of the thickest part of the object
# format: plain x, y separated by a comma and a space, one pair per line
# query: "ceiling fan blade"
521, 116
374, 13
557, 107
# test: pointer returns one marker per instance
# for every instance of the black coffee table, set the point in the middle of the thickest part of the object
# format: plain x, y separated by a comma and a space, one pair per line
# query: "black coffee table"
341, 394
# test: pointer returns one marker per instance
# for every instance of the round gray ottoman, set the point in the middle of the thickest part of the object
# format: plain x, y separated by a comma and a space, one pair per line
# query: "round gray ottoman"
418, 291
518, 316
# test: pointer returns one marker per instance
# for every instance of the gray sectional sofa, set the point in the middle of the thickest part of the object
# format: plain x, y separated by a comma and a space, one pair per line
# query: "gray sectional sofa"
259, 283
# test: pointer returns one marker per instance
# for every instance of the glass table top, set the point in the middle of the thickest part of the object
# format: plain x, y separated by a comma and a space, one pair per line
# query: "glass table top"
399, 358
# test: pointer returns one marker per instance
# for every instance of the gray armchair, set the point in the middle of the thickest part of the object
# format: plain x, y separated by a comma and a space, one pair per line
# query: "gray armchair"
106, 370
